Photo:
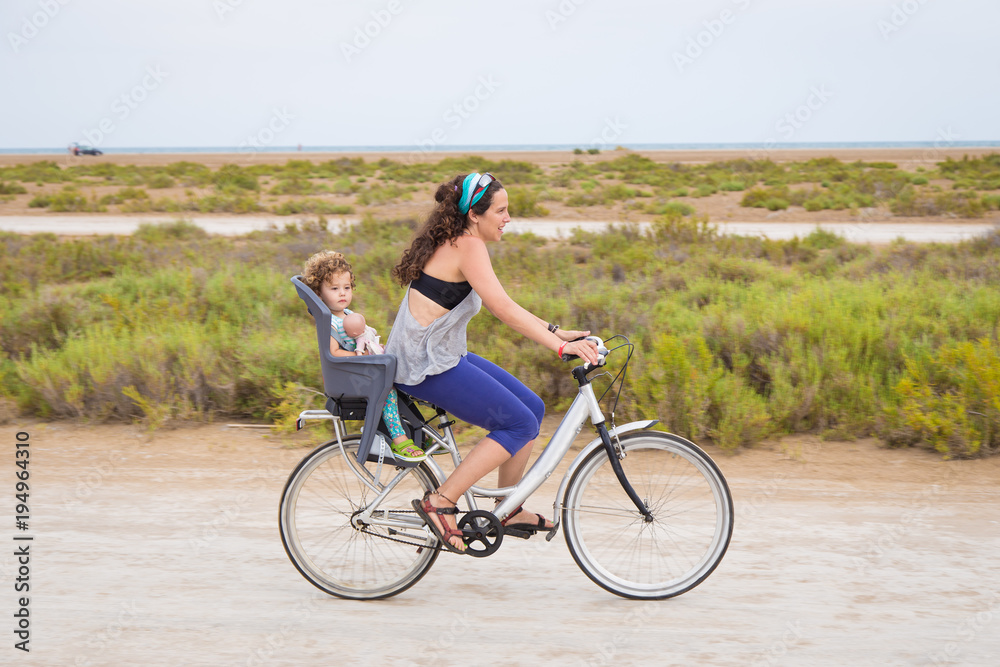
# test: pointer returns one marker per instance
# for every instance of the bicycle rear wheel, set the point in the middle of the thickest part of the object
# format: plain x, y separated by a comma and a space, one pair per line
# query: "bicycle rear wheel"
331, 547
692, 513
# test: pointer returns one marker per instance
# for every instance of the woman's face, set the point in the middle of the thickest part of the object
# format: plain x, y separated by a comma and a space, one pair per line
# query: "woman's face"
489, 226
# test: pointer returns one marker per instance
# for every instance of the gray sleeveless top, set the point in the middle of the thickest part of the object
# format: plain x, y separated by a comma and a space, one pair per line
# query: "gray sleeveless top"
431, 350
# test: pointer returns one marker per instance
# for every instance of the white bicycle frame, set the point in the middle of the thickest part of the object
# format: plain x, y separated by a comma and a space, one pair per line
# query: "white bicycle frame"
585, 406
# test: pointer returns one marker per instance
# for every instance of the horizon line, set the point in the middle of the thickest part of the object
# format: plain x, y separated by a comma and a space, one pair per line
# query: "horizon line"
303, 148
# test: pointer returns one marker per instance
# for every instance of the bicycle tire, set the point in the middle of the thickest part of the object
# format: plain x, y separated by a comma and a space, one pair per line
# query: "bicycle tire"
318, 503
692, 511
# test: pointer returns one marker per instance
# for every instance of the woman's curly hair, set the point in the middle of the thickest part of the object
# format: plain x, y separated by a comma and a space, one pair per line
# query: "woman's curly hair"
446, 223
324, 264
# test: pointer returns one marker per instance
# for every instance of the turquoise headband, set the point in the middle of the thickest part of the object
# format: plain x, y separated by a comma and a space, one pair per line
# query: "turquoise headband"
469, 196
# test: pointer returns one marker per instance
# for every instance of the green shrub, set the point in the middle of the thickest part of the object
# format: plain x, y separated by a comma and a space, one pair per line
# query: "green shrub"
344, 186
758, 197
123, 195
227, 203
307, 205
69, 199
738, 416
178, 230
677, 388
43, 171
584, 199
11, 189
233, 177
382, 194
523, 203
294, 186
674, 228
913, 203
190, 174
950, 400
160, 181
613, 193
668, 208
824, 239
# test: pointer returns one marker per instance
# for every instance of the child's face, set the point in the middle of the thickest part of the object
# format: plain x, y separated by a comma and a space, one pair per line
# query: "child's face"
336, 293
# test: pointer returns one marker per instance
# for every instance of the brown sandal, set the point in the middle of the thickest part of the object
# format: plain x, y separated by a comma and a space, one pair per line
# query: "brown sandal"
425, 510
540, 526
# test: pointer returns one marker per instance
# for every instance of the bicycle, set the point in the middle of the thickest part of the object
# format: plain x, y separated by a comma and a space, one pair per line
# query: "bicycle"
647, 514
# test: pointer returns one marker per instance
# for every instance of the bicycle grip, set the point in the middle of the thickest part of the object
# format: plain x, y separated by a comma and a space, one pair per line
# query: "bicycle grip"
597, 341
570, 357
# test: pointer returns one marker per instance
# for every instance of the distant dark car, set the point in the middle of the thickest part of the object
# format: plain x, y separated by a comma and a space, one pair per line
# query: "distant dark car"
83, 149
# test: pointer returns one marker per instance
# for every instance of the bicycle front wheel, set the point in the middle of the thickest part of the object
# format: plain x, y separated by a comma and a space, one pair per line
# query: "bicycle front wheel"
618, 548
332, 546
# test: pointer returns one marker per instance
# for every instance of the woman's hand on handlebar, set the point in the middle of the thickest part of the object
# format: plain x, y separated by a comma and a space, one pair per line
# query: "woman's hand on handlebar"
586, 349
568, 335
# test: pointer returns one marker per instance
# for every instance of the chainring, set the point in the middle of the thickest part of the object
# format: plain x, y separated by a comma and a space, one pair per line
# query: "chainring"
483, 533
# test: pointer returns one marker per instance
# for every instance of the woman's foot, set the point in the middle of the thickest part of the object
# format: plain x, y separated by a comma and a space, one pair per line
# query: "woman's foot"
407, 451
521, 519
439, 512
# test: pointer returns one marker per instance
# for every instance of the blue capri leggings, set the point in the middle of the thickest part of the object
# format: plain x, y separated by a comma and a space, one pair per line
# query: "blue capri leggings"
479, 392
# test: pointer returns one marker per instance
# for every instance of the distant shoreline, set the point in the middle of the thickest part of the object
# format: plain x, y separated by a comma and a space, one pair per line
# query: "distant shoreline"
521, 148
902, 154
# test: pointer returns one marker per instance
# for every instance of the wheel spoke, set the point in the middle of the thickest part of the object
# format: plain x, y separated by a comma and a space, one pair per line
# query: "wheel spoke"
609, 511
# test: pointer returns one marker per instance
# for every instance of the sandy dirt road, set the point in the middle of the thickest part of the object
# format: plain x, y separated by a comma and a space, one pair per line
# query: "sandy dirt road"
164, 550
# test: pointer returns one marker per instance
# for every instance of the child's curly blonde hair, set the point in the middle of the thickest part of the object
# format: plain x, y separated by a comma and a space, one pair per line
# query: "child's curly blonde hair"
322, 265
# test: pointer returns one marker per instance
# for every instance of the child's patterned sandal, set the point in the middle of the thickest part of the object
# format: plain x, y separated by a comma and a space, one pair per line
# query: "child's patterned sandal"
407, 451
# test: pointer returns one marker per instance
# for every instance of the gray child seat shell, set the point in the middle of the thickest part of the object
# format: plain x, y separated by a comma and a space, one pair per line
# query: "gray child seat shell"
356, 388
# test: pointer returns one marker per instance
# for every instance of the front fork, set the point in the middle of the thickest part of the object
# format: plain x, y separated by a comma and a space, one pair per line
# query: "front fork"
616, 465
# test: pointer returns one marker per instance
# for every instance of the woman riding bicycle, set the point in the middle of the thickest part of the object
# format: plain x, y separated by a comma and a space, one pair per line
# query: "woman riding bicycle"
449, 276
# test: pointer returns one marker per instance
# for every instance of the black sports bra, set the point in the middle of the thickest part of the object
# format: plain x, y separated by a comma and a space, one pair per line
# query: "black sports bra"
441, 292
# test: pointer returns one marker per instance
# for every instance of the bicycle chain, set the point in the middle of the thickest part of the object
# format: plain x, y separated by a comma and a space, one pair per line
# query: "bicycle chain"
439, 547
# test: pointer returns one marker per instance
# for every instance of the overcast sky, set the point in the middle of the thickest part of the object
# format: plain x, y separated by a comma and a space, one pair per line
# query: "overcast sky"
433, 74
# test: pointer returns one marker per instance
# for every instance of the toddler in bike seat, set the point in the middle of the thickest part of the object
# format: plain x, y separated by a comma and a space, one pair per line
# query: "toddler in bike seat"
330, 275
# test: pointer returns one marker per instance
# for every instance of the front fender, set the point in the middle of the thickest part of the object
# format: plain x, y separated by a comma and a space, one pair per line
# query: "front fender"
581, 457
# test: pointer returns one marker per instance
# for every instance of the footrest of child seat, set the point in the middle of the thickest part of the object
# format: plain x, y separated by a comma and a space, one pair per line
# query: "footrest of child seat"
307, 415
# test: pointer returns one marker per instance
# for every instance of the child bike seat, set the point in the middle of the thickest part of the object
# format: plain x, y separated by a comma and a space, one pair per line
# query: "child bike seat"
356, 387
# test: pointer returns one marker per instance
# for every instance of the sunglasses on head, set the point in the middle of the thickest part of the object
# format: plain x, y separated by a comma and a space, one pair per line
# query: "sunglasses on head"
483, 183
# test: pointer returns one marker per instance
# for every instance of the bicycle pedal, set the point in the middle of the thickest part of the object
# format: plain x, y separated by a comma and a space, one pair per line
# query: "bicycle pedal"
514, 532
